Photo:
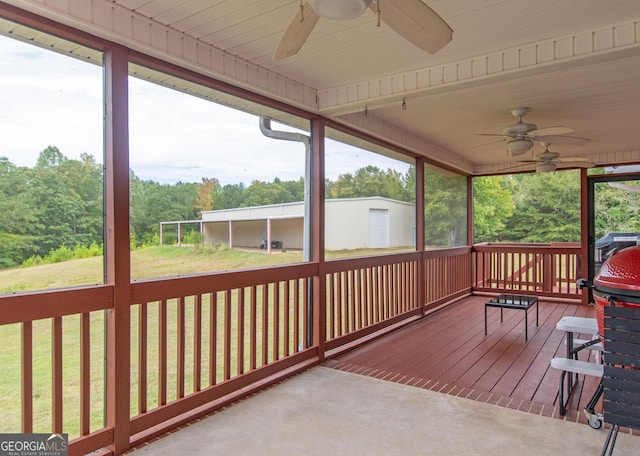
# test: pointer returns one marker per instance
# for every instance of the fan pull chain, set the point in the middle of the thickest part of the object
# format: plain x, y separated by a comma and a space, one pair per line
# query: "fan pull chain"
301, 12
378, 14
404, 104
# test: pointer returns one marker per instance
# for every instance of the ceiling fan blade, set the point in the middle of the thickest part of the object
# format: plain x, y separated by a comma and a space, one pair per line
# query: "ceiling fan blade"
562, 140
532, 165
297, 33
573, 159
552, 131
574, 164
416, 23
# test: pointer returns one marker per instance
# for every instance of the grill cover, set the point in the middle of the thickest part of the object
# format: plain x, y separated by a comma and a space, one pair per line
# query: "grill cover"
618, 281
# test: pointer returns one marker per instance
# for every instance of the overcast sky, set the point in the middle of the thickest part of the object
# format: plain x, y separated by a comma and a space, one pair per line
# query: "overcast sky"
50, 99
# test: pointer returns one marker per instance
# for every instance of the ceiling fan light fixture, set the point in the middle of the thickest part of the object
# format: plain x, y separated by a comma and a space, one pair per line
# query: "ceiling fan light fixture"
340, 9
519, 146
545, 167
519, 129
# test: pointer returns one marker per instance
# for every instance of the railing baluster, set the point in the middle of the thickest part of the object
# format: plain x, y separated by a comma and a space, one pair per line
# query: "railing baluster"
378, 295
213, 338
85, 373
393, 296
287, 315
351, 300
27, 377
343, 309
296, 314
362, 301
382, 290
197, 344
387, 291
227, 334
276, 321
253, 322
404, 286
162, 352
408, 286
492, 277
397, 278
371, 318
56, 361
562, 273
331, 308
142, 358
401, 287
382, 295
241, 329
305, 313
339, 304
265, 324
181, 348
511, 260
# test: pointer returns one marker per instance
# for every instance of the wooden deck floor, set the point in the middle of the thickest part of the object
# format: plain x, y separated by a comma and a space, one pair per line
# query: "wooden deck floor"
448, 352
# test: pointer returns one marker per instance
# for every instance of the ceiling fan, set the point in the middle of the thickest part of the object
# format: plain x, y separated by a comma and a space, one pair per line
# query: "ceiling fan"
548, 161
411, 19
521, 136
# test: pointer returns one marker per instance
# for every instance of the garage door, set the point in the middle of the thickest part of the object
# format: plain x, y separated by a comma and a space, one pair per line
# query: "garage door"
378, 228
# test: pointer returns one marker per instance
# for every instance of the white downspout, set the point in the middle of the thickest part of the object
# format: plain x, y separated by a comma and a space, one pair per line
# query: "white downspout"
307, 238
265, 128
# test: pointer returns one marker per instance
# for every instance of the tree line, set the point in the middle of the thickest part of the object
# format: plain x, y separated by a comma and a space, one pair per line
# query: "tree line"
59, 203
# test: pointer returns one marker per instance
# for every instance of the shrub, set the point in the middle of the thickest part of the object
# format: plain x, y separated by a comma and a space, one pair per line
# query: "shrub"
65, 253
192, 237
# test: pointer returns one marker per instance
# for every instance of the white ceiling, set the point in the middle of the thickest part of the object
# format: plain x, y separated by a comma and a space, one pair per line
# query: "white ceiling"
575, 63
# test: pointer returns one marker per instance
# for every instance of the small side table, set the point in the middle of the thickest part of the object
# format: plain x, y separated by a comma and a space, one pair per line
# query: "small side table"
512, 301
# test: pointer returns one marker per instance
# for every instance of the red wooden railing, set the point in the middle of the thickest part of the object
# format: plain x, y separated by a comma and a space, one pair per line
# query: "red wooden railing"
59, 327
364, 295
201, 342
542, 269
201, 338
447, 275
367, 295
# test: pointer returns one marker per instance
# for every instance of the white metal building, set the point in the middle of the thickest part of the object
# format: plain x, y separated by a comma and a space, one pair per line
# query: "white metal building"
351, 223
375, 222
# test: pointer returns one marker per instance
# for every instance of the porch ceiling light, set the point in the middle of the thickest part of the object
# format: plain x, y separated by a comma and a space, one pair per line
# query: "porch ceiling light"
545, 167
519, 146
339, 9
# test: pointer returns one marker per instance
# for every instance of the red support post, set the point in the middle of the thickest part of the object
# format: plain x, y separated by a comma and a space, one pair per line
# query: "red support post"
117, 259
318, 214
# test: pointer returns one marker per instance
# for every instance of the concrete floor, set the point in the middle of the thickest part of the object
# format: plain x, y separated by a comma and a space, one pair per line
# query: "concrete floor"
328, 412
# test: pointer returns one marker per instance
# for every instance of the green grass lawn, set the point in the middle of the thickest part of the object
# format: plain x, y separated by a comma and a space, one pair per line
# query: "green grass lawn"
151, 262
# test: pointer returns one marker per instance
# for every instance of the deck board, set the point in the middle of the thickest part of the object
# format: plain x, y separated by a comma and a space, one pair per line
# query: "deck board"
449, 351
